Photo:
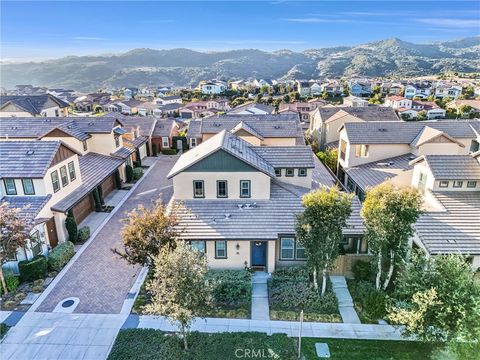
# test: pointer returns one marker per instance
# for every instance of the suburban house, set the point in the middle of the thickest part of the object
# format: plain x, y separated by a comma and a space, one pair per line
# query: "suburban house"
457, 105
47, 180
145, 125
303, 108
391, 88
212, 87
326, 121
371, 153
163, 133
266, 130
308, 88
173, 99
332, 88
398, 102
443, 90
420, 90
409, 109
252, 108
237, 202
167, 110
90, 102
355, 101
361, 88
127, 107
32, 105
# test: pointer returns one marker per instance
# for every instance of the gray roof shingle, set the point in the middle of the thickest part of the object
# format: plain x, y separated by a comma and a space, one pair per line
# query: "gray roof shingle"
27, 159
368, 113
123, 152
453, 167
29, 206
286, 156
34, 104
94, 168
163, 127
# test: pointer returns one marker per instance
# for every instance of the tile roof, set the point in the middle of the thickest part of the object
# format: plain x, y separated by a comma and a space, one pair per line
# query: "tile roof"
377, 172
163, 127
367, 113
456, 229
123, 152
243, 126
30, 205
322, 177
249, 108
34, 104
146, 124
286, 156
94, 169
139, 141
227, 142
453, 167
27, 159
194, 129
403, 132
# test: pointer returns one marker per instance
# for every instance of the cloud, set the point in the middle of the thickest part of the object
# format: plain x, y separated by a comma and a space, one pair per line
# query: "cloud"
455, 23
88, 38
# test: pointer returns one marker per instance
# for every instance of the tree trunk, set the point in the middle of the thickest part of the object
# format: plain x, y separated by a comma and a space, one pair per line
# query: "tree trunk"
379, 271
324, 281
390, 270
315, 281
185, 342
4, 284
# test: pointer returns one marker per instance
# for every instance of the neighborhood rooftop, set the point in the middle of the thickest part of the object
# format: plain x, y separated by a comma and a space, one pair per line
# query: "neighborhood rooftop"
33, 104
452, 167
367, 113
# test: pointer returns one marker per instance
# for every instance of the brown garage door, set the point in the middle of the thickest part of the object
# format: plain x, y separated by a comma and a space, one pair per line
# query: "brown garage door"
83, 208
108, 185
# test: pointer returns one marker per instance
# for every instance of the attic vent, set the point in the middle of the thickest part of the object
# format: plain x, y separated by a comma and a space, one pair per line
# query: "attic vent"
451, 241
382, 130
390, 163
227, 216
277, 126
217, 124
48, 120
91, 123
30, 152
14, 128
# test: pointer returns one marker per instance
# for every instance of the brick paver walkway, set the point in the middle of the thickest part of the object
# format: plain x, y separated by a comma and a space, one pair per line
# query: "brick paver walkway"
99, 278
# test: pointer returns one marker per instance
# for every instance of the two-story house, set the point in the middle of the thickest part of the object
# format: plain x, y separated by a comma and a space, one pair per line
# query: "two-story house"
212, 87
32, 105
420, 90
443, 90
252, 108
308, 88
360, 88
398, 102
237, 202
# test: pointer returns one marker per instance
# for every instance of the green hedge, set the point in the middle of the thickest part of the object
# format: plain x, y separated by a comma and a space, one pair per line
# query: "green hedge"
137, 173
72, 229
169, 151
129, 173
31, 270
370, 303
11, 280
59, 256
83, 233
295, 316
232, 290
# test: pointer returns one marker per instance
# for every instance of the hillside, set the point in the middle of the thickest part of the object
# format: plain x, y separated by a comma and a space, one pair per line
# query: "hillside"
139, 67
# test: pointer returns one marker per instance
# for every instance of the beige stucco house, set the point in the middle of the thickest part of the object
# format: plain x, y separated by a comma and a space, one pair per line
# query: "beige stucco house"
32, 105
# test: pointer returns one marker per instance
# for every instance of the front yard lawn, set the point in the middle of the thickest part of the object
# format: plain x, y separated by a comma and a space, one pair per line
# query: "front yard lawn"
148, 344
232, 294
345, 349
291, 291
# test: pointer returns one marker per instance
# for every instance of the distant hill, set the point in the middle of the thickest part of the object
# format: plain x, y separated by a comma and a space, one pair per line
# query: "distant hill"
139, 67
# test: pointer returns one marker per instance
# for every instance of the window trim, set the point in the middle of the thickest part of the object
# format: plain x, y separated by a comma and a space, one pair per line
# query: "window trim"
460, 182
24, 189
445, 185
53, 182
470, 183
286, 172
167, 141
203, 190
14, 186
199, 241
226, 189
64, 167
85, 146
279, 174
305, 170
296, 251
216, 250
193, 140
249, 189
117, 141
70, 171
281, 248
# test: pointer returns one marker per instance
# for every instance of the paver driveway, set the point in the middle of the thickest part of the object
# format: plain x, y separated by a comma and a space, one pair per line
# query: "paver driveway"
99, 278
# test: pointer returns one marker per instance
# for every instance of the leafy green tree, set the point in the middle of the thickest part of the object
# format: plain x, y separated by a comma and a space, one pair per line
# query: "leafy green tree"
14, 233
286, 98
438, 299
422, 115
179, 287
329, 158
465, 110
146, 232
468, 92
375, 99
376, 90
319, 229
389, 214
71, 227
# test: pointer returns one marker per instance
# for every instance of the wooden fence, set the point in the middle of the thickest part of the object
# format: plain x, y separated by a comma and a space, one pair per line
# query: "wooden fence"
344, 263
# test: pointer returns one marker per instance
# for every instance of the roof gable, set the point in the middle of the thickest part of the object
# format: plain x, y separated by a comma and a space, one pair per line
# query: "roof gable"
220, 160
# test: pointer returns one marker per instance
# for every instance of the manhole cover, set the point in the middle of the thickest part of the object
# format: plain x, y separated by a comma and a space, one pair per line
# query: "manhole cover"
68, 303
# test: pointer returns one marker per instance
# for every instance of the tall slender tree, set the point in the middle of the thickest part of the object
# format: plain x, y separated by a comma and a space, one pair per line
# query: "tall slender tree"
319, 229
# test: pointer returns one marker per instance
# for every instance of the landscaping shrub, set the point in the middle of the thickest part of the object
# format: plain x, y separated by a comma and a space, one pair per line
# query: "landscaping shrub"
96, 199
72, 229
137, 173
231, 288
59, 256
83, 233
295, 316
100, 195
118, 180
370, 302
129, 173
169, 151
362, 270
154, 150
11, 280
3, 330
34, 269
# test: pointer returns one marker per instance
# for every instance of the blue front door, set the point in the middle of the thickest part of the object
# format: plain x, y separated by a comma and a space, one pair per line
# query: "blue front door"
259, 252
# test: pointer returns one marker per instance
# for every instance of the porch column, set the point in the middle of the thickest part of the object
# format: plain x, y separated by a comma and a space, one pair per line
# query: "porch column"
271, 255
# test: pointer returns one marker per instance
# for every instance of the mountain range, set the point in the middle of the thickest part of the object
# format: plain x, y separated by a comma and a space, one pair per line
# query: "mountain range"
180, 67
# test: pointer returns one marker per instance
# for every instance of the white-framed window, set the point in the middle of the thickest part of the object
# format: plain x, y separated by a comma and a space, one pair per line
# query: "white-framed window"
278, 172
361, 150
28, 188
10, 187
85, 147
471, 184
300, 251
457, 184
71, 171
287, 247
302, 172
193, 142
222, 189
443, 184
198, 189
165, 142
245, 188
55, 182
198, 245
117, 141
63, 175
220, 249
289, 172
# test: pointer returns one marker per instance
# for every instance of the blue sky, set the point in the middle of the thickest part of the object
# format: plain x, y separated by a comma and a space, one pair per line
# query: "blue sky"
39, 29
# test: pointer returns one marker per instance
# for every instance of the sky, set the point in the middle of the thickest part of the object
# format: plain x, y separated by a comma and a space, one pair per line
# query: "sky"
37, 30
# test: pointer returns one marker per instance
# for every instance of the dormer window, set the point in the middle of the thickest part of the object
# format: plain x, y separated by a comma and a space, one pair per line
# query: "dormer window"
10, 187
198, 189
222, 189
28, 188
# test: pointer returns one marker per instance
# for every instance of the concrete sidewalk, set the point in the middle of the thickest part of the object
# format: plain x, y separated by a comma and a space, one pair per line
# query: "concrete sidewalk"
345, 301
260, 308
291, 328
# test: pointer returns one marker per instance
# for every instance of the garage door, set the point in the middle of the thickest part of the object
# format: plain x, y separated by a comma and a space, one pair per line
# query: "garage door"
83, 208
108, 185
